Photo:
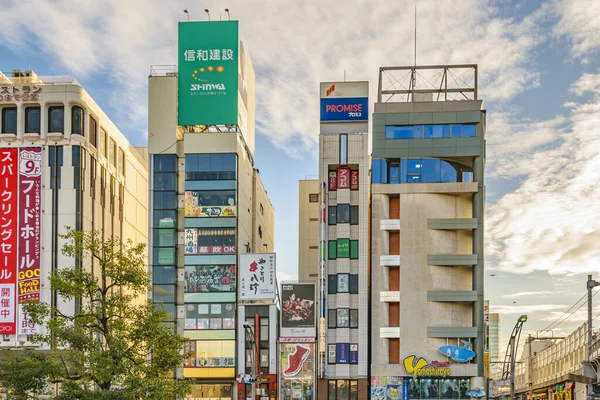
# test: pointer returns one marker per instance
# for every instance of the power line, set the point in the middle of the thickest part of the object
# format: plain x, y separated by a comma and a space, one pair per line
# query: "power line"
564, 316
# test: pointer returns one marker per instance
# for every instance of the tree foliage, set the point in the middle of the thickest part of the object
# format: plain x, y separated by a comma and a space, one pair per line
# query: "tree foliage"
118, 346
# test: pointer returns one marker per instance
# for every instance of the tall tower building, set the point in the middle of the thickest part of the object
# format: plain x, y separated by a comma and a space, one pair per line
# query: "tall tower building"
207, 206
344, 234
428, 159
63, 163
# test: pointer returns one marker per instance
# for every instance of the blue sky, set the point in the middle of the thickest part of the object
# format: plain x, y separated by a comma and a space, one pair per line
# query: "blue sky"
539, 78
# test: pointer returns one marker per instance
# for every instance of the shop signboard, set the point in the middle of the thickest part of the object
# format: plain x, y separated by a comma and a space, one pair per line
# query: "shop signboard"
332, 180
344, 101
257, 276
343, 178
210, 278
342, 353
297, 371
298, 309
354, 180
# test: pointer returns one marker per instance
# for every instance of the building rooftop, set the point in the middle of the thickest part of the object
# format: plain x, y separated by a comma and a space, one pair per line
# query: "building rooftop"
29, 77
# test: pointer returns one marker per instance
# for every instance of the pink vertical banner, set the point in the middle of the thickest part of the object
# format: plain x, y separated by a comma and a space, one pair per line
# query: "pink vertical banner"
8, 239
30, 196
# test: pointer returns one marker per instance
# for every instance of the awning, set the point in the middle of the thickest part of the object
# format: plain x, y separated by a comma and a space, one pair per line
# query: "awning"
570, 385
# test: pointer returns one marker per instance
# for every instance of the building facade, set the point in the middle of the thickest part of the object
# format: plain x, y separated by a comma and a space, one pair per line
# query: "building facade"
344, 241
64, 164
427, 212
308, 230
207, 203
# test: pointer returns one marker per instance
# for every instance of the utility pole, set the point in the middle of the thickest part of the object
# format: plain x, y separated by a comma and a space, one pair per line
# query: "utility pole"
511, 354
590, 285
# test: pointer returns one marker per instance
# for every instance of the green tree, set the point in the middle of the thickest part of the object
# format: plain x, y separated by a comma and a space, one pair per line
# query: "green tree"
118, 346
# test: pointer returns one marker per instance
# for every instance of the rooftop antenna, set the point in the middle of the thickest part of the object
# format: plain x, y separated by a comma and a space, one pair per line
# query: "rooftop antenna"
344, 75
414, 72
228, 15
207, 13
188, 14
415, 63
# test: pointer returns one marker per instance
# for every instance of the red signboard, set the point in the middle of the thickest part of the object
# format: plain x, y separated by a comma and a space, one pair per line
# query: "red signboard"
332, 180
8, 239
30, 183
354, 180
343, 178
216, 249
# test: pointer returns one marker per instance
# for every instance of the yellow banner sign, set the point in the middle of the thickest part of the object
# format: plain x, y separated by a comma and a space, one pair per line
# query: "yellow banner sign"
421, 367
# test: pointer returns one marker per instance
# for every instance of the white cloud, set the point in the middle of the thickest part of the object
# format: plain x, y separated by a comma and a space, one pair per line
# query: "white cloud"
294, 45
523, 294
586, 83
578, 20
525, 309
552, 221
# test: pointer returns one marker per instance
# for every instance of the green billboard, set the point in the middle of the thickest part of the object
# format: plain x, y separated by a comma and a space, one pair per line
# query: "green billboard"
208, 73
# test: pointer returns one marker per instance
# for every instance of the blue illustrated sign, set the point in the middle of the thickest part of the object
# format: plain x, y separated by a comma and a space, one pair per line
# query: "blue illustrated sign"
459, 353
405, 392
342, 353
345, 109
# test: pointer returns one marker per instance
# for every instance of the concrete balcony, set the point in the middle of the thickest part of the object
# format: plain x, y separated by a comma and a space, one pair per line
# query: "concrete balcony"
451, 332
467, 224
389, 225
389, 332
389, 297
452, 296
452, 259
389, 261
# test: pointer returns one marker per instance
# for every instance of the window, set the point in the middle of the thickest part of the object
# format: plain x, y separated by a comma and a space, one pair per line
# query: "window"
77, 118
210, 198
343, 389
261, 209
331, 354
164, 256
394, 314
394, 172
260, 231
164, 275
165, 163
112, 153
394, 351
9, 120
332, 215
213, 316
313, 198
343, 283
164, 218
32, 120
436, 131
343, 213
343, 318
354, 318
332, 284
163, 293
343, 149
332, 250
331, 318
399, 132
379, 171
343, 248
165, 237
165, 182
209, 278
102, 142
164, 200
354, 284
121, 168
200, 167
353, 215
93, 131
354, 249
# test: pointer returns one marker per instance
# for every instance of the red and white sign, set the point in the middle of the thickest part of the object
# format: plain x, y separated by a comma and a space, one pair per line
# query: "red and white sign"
256, 276
8, 239
332, 180
295, 339
343, 178
216, 249
354, 180
30, 184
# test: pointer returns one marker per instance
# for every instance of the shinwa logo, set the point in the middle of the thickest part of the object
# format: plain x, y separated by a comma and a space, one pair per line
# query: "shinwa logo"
207, 86
330, 90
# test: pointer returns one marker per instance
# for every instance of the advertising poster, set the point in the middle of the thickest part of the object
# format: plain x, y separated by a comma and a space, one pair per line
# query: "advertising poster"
354, 180
194, 207
297, 371
332, 180
343, 178
210, 278
8, 244
209, 241
343, 248
257, 276
343, 353
344, 101
298, 309
208, 73
353, 354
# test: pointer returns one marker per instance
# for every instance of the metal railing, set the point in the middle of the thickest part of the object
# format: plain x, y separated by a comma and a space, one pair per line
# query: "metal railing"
163, 70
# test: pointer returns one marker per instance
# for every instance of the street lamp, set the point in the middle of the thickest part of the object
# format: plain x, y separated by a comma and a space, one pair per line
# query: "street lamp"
207, 13
511, 351
188, 14
228, 15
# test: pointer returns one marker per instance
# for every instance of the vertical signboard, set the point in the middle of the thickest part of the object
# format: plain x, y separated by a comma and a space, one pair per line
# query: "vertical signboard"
8, 239
208, 73
256, 274
297, 371
332, 180
354, 180
343, 178
298, 310
30, 196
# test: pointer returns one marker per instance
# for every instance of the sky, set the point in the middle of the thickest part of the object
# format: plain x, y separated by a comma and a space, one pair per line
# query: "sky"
539, 77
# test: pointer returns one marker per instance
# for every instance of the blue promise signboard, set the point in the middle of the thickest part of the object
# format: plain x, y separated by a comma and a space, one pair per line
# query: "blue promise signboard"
350, 109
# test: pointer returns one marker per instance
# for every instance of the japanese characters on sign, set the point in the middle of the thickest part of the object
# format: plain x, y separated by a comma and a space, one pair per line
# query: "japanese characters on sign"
332, 180
20, 93
209, 241
257, 276
8, 239
298, 309
343, 178
194, 207
30, 183
354, 180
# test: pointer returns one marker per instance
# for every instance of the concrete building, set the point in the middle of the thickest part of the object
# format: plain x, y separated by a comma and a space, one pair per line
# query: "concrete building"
427, 202
308, 230
207, 206
344, 270
83, 174
494, 340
